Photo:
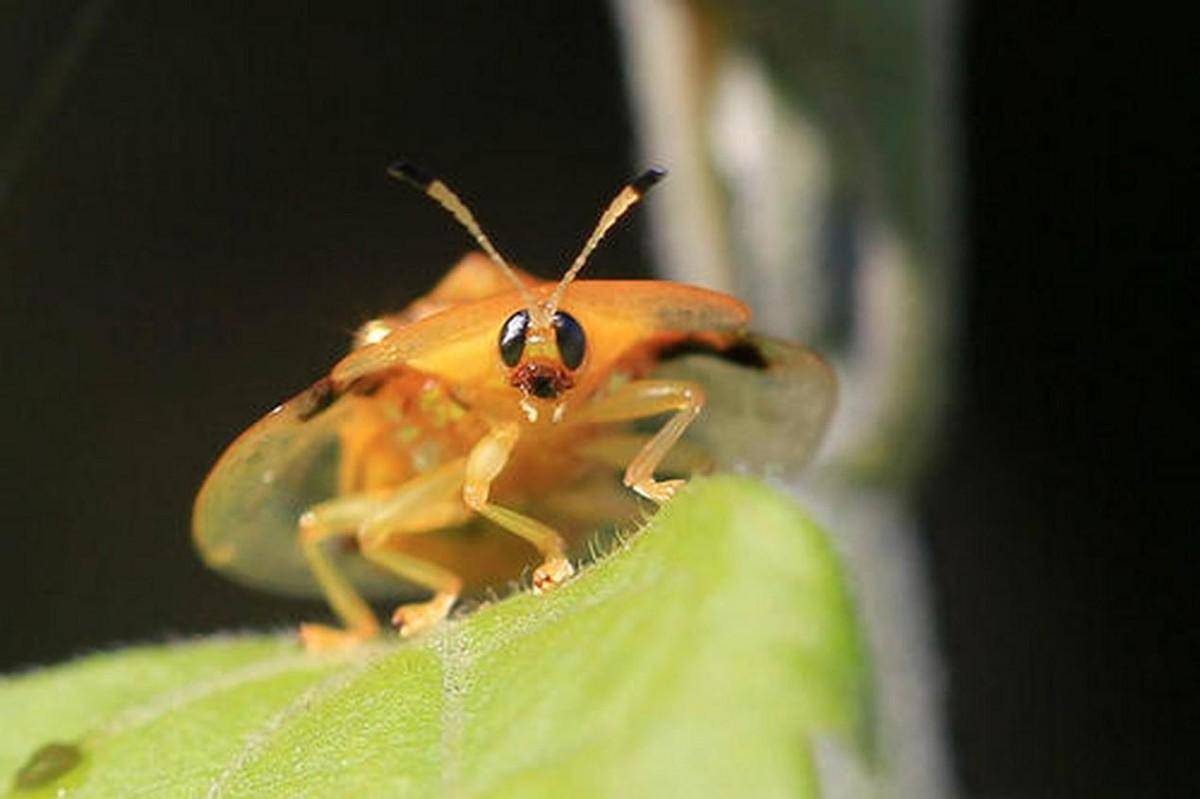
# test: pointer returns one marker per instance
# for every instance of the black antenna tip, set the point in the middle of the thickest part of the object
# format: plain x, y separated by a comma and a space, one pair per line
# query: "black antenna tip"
643, 182
410, 173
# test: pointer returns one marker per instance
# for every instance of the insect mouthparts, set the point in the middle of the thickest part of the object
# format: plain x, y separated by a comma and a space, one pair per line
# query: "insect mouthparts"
541, 380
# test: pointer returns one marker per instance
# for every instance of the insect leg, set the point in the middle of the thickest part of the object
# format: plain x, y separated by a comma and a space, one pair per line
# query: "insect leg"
418, 505
423, 504
487, 459
618, 449
640, 399
337, 517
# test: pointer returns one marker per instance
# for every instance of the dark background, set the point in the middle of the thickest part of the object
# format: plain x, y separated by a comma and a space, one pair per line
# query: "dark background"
204, 219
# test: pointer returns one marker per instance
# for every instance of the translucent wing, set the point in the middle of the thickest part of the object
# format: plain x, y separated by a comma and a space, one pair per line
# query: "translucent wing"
245, 519
769, 402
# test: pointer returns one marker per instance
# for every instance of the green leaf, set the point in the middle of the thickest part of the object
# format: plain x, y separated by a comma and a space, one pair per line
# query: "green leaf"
698, 659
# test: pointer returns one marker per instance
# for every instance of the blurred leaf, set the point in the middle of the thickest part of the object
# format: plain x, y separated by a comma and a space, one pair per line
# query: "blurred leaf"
697, 660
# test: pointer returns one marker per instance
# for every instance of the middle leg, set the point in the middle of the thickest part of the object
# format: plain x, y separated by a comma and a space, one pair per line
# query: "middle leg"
423, 504
641, 399
376, 540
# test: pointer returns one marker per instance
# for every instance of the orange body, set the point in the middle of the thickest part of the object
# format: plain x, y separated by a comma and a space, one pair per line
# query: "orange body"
495, 420
392, 423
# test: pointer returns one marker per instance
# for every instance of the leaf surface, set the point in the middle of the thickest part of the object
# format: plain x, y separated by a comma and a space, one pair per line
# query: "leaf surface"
697, 659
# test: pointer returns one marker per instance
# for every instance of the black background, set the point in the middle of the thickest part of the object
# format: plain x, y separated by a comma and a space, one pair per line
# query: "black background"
204, 219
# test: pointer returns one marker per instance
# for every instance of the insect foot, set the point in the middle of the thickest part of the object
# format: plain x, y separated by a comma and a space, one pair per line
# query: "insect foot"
660, 492
417, 616
553, 572
320, 638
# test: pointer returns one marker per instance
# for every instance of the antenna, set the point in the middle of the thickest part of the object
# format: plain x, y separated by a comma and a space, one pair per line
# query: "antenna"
439, 191
626, 197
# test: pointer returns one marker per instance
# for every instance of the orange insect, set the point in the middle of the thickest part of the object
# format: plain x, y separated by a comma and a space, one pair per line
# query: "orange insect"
493, 417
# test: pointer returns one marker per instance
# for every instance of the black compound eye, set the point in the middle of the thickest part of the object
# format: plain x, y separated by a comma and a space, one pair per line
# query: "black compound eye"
512, 338
572, 343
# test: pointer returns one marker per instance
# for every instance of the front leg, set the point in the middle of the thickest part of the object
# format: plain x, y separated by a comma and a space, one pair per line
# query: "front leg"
487, 459
638, 400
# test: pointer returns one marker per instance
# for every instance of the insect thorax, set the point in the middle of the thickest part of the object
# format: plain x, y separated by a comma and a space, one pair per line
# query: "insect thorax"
409, 425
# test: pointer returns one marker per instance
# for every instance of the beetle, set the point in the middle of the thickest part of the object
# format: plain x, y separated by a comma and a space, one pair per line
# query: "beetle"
438, 449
